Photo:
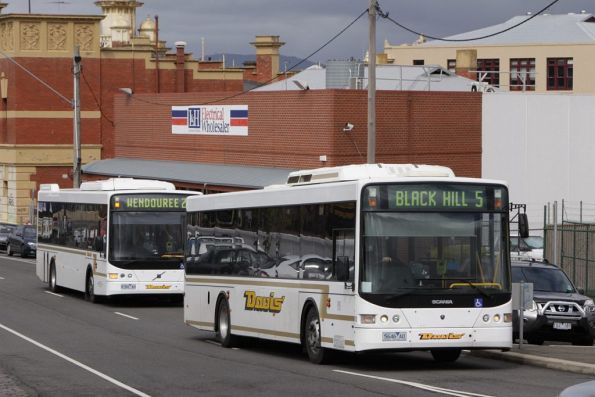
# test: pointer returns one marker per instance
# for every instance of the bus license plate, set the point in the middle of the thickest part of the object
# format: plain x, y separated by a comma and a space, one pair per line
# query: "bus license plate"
562, 326
128, 286
394, 336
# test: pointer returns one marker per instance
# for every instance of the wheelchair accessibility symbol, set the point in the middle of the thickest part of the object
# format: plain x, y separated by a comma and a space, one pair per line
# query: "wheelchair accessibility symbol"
478, 302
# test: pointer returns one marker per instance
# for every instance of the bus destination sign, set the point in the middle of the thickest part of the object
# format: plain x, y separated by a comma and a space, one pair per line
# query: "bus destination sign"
149, 202
424, 197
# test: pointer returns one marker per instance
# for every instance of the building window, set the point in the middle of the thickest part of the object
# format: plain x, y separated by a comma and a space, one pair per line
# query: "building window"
451, 65
559, 73
488, 71
418, 62
522, 74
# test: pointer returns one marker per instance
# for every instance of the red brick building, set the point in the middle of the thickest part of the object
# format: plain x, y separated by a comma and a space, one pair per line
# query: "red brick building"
296, 130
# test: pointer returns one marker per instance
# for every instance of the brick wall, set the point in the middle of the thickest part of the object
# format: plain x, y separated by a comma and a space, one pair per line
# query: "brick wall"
291, 129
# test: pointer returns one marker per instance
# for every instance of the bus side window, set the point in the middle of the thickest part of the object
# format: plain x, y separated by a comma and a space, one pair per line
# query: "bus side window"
343, 254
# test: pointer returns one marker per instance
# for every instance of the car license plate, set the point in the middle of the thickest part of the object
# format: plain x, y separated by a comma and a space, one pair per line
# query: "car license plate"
128, 286
394, 336
562, 326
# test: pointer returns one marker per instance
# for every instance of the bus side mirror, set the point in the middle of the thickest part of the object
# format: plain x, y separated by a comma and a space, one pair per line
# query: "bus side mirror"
523, 225
342, 268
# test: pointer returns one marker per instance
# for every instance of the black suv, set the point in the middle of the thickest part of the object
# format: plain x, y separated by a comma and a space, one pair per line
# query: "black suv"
5, 230
560, 311
22, 240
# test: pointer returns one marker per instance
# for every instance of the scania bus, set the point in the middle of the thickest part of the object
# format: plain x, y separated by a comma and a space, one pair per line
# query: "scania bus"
112, 237
355, 258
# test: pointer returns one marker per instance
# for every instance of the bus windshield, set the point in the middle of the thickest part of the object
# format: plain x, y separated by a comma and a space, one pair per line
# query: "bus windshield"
411, 252
146, 240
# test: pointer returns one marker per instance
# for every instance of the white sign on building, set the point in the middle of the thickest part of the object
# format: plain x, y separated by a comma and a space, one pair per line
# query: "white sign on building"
210, 120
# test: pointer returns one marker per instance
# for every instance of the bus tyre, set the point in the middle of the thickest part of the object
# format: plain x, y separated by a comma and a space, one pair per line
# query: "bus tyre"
9, 250
446, 355
52, 279
90, 289
313, 339
224, 324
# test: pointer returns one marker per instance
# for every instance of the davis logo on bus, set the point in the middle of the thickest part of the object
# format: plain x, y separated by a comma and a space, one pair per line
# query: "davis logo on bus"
210, 120
263, 303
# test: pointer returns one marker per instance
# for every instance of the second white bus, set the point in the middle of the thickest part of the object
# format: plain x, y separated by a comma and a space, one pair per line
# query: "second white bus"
112, 237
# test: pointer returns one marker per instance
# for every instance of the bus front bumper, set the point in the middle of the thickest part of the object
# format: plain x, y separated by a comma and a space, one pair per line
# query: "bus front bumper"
432, 338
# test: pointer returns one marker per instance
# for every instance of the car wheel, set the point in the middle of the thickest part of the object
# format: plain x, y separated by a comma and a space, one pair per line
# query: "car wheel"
224, 324
583, 341
9, 250
313, 338
535, 340
53, 286
23, 252
446, 355
90, 289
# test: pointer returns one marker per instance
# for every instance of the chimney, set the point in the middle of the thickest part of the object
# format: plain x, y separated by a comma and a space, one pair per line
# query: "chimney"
2, 6
180, 60
466, 64
267, 57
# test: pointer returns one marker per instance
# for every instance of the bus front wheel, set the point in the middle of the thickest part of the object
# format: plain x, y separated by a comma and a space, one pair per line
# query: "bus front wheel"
224, 324
446, 355
90, 289
313, 339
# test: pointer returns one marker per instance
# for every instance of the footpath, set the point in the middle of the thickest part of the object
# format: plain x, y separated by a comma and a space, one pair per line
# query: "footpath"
562, 357
9, 387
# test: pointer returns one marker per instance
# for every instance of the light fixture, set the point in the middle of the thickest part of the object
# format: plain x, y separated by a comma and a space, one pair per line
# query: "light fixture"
127, 91
348, 127
301, 85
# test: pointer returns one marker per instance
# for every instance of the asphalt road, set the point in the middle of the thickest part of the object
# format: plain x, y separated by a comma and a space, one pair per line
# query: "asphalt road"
61, 345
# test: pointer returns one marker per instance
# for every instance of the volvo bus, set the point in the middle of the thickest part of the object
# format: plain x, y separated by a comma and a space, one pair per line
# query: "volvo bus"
112, 237
355, 258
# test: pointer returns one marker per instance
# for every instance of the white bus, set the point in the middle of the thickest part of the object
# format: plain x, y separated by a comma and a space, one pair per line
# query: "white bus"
112, 237
356, 258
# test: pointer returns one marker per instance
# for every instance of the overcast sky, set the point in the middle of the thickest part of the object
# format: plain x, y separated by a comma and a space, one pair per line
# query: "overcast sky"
228, 26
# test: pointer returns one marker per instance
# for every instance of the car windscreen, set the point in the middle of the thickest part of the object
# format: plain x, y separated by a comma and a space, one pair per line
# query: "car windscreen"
544, 279
29, 232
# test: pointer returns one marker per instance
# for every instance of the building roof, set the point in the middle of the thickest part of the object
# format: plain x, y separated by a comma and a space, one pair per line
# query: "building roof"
239, 176
388, 77
543, 29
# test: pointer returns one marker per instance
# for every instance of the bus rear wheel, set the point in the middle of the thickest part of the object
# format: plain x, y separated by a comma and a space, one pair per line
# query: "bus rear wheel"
313, 339
53, 286
224, 324
446, 355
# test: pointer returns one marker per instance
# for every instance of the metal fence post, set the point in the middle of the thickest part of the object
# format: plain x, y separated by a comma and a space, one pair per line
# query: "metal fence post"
521, 314
555, 253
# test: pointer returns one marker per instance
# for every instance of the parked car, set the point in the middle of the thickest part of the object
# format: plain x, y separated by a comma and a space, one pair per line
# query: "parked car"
526, 248
560, 311
23, 241
5, 230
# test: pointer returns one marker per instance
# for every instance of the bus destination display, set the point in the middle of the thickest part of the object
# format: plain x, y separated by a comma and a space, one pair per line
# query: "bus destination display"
436, 197
149, 202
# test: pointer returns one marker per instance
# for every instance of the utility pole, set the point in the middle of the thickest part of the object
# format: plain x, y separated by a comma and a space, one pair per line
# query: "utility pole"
76, 104
372, 83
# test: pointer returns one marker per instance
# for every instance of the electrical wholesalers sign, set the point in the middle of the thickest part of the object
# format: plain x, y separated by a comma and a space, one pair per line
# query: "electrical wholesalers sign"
219, 120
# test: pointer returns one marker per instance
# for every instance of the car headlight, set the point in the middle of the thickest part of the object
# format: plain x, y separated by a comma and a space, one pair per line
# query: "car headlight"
533, 306
588, 302
31, 244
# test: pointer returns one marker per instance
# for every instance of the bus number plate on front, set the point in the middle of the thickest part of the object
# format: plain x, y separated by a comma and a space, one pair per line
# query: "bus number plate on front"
394, 336
128, 286
562, 326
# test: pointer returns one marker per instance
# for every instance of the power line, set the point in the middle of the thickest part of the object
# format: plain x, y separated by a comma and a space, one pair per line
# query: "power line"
385, 16
36, 78
95, 99
274, 78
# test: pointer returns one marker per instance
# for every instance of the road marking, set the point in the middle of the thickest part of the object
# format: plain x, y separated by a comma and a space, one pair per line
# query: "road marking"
31, 261
125, 315
77, 363
55, 294
435, 389
1, 278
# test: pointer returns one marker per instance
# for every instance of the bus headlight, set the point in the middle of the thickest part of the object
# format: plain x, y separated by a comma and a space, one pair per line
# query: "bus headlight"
496, 318
384, 318
396, 318
113, 276
507, 317
486, 318
367, 318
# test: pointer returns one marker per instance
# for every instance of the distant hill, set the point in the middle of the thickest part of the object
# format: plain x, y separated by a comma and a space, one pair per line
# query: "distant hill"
238, 60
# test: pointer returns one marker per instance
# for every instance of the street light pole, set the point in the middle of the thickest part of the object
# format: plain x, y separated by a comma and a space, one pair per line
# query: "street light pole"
372, 82
76, 104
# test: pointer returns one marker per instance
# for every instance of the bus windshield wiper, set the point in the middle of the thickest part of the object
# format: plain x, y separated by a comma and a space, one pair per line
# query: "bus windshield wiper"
482, 291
